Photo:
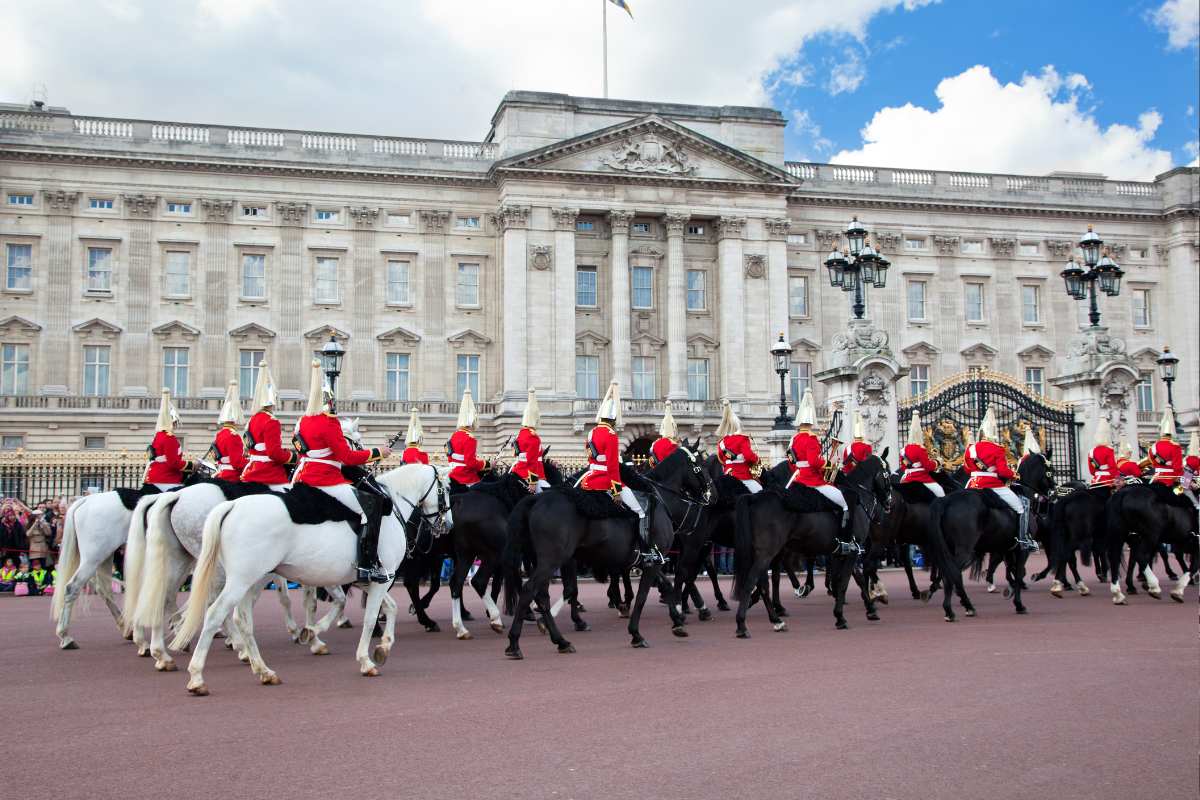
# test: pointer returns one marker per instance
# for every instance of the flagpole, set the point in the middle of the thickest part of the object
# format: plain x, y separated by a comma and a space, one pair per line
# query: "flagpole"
604, 26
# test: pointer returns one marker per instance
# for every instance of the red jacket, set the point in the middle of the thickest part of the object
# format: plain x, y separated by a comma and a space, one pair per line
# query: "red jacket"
1102, 463
167, 463
231, 454
917, 465
662, 449
328, 451
464, 465
1129, 468
1192, 463
807, 463
529, 455
414, 455
604, 459
856, 453
737, 456
1167, 459
267, 454
988, 465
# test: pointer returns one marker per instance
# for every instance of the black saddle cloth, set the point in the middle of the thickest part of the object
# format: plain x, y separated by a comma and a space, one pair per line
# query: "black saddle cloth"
130, 497
593, 504
233, 490
307, 505
801, 499
729, 489
1167, 497
913, 493
508, 490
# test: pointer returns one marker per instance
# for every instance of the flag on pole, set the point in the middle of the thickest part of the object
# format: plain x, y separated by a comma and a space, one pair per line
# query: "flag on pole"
624, 5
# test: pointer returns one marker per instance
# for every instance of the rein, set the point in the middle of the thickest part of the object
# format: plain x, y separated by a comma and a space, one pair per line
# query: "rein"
424, 519
682, 528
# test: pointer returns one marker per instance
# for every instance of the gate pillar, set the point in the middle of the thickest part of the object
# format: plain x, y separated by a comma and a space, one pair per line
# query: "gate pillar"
862, 375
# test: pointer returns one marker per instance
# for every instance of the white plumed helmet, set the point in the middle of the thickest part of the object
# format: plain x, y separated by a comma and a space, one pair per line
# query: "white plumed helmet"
1166, 428
264, 390
610, 406
1030, 445
467, 415
859, 429
916, 435
413, 435
988, 429
167, 415
806, 412
317, 392
1103, 435
667, 428
730, 424
231, 409
533, 414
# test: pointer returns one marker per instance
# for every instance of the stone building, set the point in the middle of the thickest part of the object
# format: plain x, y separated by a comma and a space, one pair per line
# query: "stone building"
664, 246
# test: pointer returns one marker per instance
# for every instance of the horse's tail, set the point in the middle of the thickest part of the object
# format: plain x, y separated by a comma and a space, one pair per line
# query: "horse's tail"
152, 599
743, 544
514, 550
937, 548
203, 577
135, 551
976, 566
68, 561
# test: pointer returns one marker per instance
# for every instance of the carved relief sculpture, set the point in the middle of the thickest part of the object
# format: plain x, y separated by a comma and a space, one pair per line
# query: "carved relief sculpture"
756, 265
541, 256
649, 154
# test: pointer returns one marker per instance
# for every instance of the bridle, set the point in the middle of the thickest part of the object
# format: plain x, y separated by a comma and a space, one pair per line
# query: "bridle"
877, 508
693, 509
434, 521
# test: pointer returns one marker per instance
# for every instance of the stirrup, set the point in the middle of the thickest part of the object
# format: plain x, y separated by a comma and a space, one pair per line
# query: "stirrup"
1029, 545
651, 556
373, 575
850, 548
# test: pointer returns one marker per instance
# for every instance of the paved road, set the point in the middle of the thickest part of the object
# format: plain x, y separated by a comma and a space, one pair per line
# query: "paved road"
1078, 699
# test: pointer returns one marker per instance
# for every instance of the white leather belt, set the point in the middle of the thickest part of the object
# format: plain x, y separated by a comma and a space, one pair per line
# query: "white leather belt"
986, 473
224, 460
738, 459
523, 457
803, 464
597, 468
160, 459
320, 453
260, 447
1163, 471
259, 458
458, 457
602, 458
915, 470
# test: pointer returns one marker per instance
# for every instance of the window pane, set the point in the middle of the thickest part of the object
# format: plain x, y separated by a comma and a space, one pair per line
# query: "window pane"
178, 265
1030, 312
14, 369
326, 283
643, 378
175, 370
397, 376
798, 296
468, 375
587, 377
918, 379
254, 276
916, 300
397, 288
696, 300
1035, 380
248, 361
1145, 392
467, 290
697, 378
99, 278
1141, 308
20, 266
585, 287
801, 379
974, 302
643, 291
95, 370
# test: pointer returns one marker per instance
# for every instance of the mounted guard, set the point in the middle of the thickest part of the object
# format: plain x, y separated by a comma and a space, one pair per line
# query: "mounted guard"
268, 460
462, 447
413, 454
325, 453
917, 465
1166, 456
1127, 463
167, 464
987, 464
228, 446
859, 450
668, 437
735, 451
1191, 469
1102, 461
528, 448
808, 463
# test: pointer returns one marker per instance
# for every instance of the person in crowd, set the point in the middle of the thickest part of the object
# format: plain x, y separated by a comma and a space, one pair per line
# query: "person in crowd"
39, 576
12, 527
413, 454
735, 450
1127, 464
987, 463
859, 450
39, 534
8, 575
1102, 460
915, 462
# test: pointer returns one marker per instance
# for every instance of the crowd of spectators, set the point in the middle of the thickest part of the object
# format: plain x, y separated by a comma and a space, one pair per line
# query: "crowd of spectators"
29, 542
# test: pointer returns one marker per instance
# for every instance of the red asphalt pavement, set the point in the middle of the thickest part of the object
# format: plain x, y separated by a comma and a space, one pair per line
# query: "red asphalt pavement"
1079, 699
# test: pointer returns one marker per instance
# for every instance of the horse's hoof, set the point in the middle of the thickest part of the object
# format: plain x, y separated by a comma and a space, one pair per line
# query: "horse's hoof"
1177, 596
305, 636
970, 612
723, 606
371, 672
199, 690
467, 616
244, 657
166, 666
681, 631
129, 636
228, 645
638, 643
1007, 592
321, 650
380, 654
1056, 589
883, 598
781, 611
923, 596
579, 607
1083, 589
582, 626
463, 635
871, 615
1119, 600
743, 634
1155, 593
779, 627
623, 611
917, 596
950, 618
433, 627
841, 625
542, 629
269, 679
497, 626
704, 615
514, 653
144, 651
991, 588
69, 644
345, 623
1022, 610
566, 648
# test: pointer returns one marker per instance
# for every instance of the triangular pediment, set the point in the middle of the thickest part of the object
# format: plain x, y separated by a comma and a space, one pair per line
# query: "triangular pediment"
399, 334
323, 332
806, 345
469, 336
1035, 352
921, 349
979, 350
97, 325
252, 330
1146, 356
649, 148
175, 327
15, 324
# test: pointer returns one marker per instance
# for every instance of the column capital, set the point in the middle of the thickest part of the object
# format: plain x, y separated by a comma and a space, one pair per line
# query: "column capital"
731, 227
291, 213
675, 223
512, 217
216, 209
777, 228
564, 218
433, 220
60, 200
140, 205
363, 216
619, 220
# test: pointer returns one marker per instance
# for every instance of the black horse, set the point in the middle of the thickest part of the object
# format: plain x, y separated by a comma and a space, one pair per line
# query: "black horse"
1145, 517
766, 527
906, 524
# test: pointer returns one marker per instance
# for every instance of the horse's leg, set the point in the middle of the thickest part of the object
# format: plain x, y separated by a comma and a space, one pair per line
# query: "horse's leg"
746, 590
537, 581
245, 620
810, 565
1080, 585
650, 576
214, 617
776, 574
412, 582
1014, 565
570, 584
710, 564
864, 588
1147, 566
993, 562
179, 564
375, 595
627, 586
906, 562
83, 573
614, 596
480, 583
281, 593
1166, 559
384, 648
457, 578
1116, 548
840, 578
103, 584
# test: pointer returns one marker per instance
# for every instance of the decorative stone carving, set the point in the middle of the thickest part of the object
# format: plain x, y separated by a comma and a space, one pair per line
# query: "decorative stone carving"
866, 338
647, 252
1060, 248
97, 328
18, 326
59, 200
293, 213
946, 245
619, 220
675, 223
216, 209
364, 217
1118, 250
828, 239
649, 154
888, 241
1161, 251
541, 256
176, 329
731, 227
777, 228
564, 218
756, 265
1003, 245
435, 220
140, 205
874, 401
513, 217
1115, 395
252, 332
1095, 342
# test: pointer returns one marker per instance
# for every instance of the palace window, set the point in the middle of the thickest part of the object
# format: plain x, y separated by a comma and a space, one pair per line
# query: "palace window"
175, 370
96, 362
11, 441
325, 283
396, 376
248, 361
20, 267
797, 238
100, 203
1028, 249
643, 287
254, 276
798, 296
695, 229
399, 220
585, 225
916, 300
177, 273
801, 379
972, 246
1145, 392
95, 442
696, 290
467, 223
1035, 379
1031, 304
643, 370
467, 375
914, 243
974, 301
1141, 308
326, 215
587, 377
585, 287
466, 290
918, 379
254, 211
179, 209
398, 283
14, 369
697, 378
99, 269
640, 227
20, 200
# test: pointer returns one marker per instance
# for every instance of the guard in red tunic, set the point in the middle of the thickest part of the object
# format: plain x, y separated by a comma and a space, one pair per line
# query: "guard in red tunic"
413, 454
987, 464
668, 437
1127, 465
167, 464
326, 451
1166, 456
462, 447
735, 451
1191, 469
527, 449
915, 463
807, 460
268, 460
228, 446
858, 451
1102, 460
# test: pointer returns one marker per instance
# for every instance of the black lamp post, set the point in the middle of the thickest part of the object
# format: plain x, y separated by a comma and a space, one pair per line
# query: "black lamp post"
856, 267
331, 361
781, 351
1081, 283
1167, 364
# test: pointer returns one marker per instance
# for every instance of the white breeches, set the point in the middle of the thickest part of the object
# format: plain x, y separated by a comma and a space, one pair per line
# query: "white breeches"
540, 485
344, 493
753, 485
166, 486
834, 494
1010, 497
935, 489
279, 487
631, 502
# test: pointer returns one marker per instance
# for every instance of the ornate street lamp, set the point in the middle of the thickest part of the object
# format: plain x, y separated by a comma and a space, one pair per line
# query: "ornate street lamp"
857, 267
1081, 283
781, 351
331, 360
1167, 365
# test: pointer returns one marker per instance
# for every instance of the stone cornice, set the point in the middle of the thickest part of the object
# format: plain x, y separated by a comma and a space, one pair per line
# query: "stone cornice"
216, 209
291, 213
139, 205
777, 228
962, 207
363, 216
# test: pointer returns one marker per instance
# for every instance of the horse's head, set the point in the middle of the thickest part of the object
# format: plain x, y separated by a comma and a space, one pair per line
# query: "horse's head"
872, 475
696, 480
351, 432
1037, 473
422, 491
554, 475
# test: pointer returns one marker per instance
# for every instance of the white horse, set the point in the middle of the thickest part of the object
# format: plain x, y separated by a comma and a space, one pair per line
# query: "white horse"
254, 536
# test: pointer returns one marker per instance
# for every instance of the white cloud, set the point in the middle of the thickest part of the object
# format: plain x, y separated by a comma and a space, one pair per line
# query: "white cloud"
1193, 149
847, 75
808, 130
1034, 126
427, 68
1181, 20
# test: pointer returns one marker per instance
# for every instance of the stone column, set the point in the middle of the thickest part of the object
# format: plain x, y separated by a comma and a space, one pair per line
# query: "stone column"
777, 275
436, 371
137, 359
55, 339
219, 273
365, 363
564, 301
293, 360
1180, 256
732, 323
619, 264
676, 308
514, 221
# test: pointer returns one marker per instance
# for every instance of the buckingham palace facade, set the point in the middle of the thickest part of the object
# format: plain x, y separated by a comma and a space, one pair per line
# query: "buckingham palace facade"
583, 240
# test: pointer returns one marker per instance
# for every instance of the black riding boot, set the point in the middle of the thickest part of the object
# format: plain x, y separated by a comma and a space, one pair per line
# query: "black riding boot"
650, 553
1024, 541
369, 568
845, 544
